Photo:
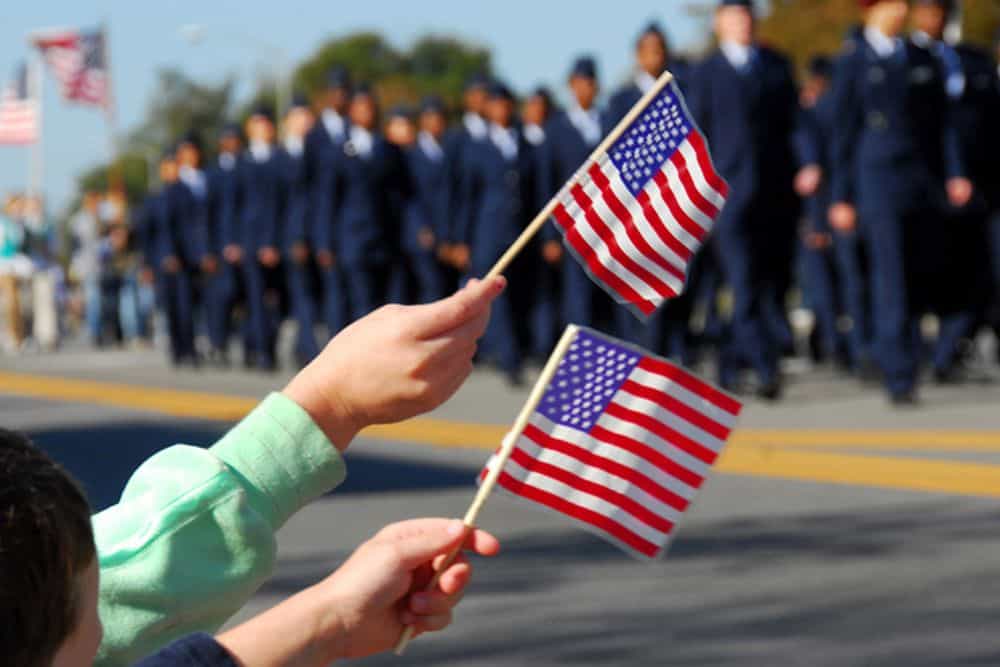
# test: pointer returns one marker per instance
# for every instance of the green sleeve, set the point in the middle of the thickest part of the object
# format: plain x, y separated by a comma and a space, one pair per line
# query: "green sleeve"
192, 537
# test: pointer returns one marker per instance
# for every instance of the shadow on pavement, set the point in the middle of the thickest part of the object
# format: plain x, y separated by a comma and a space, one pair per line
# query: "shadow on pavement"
811, 590
103, 457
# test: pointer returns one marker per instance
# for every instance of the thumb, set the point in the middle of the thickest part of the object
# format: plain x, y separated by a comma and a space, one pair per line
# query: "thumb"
464, 305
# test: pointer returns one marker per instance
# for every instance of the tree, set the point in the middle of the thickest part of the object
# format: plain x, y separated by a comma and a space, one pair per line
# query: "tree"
437, 65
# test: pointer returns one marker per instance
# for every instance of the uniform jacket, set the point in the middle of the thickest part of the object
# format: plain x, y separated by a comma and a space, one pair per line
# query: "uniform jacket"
430, 205
262, 185
223, 206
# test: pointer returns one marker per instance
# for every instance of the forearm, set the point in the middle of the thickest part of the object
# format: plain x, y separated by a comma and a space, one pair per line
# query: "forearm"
299, 632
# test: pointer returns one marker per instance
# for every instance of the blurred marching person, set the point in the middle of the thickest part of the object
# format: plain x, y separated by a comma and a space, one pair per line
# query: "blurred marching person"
192, 210
162, 253
471, 130
46, 272
993, 224
262, 186
823, 286
896, 169
960, 240
652, 58
401, 132
499, 196
744, 98
85, 266
428, 213
224, 287
399, 127
324, 151
539, 332
574, 134
14, 268
367, 191
301, 271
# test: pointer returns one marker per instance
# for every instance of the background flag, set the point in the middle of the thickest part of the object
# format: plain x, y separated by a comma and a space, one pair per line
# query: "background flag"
78, 60
620, 442
635, 214
18, 111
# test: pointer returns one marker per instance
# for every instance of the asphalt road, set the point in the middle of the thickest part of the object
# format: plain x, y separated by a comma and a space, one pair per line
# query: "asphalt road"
818, 543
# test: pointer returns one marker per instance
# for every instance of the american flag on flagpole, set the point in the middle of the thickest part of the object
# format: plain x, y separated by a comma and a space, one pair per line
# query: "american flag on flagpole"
78, 61
636, 214
620, 442
18, 111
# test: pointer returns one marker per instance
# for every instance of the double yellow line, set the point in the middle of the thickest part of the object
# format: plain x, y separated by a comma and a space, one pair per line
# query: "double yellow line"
812, 455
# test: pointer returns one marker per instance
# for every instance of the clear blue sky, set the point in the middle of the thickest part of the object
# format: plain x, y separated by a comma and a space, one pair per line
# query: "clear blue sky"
532, 42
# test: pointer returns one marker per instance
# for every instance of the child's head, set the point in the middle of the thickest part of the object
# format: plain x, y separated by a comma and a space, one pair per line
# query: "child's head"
48, 567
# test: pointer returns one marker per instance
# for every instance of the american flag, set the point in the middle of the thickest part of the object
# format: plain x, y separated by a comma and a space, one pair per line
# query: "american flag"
636, 214
18, 111
77, 59
620, 442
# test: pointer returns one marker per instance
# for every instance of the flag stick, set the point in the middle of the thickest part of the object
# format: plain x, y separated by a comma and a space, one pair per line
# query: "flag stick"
509, 442
539, 221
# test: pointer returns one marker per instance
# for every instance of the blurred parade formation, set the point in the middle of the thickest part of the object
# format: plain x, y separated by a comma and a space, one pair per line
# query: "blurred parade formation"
865, 196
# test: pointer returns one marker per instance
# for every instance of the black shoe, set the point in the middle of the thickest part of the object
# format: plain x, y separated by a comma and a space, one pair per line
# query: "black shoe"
514, 379
869, 372
770, 391
218, 358
904, 399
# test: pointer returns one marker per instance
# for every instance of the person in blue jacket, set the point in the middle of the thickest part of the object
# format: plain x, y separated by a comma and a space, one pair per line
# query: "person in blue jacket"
429, 210
324, 148
821, 274
301, 273
192, 212
961, 291
896, 168
263, 186
539, 331
367, 189
499, 196
574, 134
163, 248
224, 288
470, 130
744, 98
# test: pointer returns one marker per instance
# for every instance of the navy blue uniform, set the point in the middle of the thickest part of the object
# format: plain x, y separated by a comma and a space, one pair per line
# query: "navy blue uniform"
302, 275
567, 151
892, 150
165, 240
223, 289
323, 152
428, 217
262, 184
367, 195
499, 197
749, 116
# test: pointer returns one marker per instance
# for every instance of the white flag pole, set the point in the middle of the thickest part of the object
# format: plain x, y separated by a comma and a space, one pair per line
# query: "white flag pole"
496, 467
535, 225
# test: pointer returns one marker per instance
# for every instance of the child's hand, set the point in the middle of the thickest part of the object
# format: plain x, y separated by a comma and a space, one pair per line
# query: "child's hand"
380, 589
396, 363
363, 607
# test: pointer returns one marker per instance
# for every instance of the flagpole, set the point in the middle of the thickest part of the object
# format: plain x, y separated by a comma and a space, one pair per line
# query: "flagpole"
110, 111
536, 225
499, 461
36, 175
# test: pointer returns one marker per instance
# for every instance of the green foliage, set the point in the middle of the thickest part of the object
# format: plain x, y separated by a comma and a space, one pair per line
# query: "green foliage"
433, 64
980, 20
129, 170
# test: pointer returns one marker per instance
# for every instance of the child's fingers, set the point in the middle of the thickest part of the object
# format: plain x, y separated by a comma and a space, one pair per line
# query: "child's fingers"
431, 623
429, 604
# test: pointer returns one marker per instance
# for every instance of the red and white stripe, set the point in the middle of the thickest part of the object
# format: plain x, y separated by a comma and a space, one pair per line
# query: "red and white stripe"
640, 248
64, 53
634, 473
18, 119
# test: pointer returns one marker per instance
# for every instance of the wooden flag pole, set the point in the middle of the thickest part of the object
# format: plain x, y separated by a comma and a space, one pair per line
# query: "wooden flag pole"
500, 460
539, 221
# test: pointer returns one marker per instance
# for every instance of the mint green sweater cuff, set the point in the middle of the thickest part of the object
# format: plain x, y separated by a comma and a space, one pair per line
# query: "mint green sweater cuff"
284, 457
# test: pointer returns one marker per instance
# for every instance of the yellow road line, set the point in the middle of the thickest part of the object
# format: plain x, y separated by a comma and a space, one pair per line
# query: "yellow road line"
770, 453
898, 473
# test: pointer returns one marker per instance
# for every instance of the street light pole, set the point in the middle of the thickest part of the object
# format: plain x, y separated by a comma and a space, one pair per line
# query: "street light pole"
196, 33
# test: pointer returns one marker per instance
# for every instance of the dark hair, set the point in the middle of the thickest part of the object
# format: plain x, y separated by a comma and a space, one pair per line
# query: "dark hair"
46, 543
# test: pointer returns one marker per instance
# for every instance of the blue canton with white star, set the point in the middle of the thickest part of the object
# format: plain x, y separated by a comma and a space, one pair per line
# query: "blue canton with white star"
587, 378
651, 140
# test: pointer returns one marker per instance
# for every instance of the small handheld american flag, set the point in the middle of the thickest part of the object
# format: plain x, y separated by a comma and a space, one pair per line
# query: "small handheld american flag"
639, 209
620, 442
